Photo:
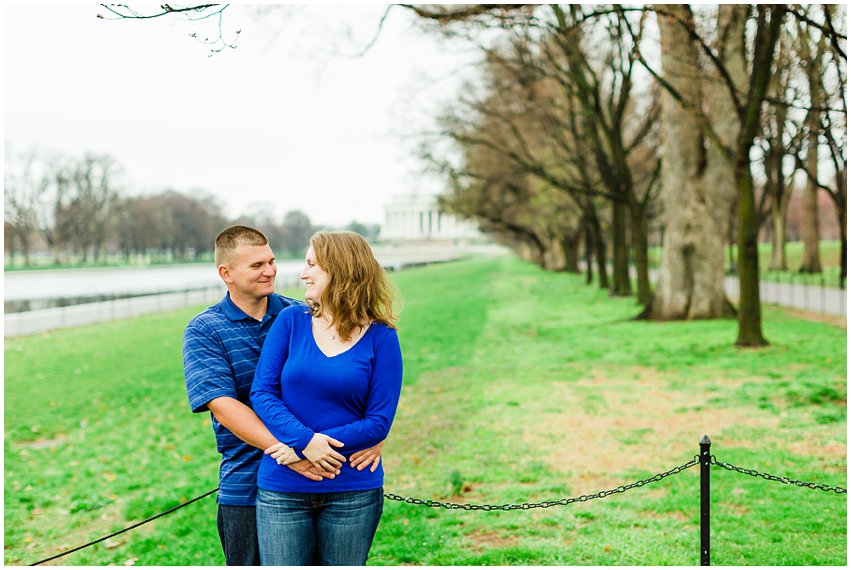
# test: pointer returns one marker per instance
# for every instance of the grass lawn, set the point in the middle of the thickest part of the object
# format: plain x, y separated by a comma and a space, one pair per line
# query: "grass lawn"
520, 386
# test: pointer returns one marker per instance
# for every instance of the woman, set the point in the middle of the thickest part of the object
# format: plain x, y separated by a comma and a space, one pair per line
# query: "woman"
327, 385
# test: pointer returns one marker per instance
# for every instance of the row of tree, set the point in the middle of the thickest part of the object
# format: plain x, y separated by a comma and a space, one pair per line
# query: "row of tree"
77, 208
592, 122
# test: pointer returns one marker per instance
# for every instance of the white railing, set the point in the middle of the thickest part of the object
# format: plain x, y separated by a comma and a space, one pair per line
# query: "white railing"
31, 322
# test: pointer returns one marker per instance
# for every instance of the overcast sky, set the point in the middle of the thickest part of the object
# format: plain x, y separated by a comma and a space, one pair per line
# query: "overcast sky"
284, 118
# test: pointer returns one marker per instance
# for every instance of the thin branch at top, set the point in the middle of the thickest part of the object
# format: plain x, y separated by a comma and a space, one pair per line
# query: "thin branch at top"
123, 11
374, 39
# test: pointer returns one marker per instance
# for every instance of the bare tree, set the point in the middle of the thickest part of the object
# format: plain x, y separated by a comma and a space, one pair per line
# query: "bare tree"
26, 183
296, 230
696, 187
140, 226
538, 221
93, 202
779, 137
811, 54
729, 136
192, 221
581, 97
827, 124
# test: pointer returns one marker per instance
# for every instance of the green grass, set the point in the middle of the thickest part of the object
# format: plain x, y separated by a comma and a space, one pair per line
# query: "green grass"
520, 386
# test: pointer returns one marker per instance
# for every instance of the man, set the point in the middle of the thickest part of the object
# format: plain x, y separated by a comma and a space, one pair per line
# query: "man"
221, 347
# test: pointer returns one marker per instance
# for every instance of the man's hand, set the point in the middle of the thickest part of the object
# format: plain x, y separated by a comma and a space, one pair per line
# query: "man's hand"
309, 470
366, 457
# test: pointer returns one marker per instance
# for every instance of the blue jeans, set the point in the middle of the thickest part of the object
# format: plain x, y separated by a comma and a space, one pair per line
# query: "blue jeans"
238, 533
317, 529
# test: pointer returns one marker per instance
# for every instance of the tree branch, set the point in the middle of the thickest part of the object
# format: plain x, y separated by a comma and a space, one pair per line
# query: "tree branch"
131, 14
828, 30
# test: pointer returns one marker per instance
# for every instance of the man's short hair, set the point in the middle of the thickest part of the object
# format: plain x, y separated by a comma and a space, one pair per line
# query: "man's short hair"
230, 238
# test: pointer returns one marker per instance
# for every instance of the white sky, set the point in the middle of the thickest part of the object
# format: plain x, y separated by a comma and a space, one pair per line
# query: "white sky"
283, 119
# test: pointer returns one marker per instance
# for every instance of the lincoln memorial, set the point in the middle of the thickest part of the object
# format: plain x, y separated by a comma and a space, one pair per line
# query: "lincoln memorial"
415, 217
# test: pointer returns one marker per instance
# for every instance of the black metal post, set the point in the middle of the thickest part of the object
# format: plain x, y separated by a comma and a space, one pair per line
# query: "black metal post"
705, 459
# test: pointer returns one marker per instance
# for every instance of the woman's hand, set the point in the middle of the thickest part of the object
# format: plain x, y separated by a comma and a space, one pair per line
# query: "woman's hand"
366, 457
321, 455
282, 453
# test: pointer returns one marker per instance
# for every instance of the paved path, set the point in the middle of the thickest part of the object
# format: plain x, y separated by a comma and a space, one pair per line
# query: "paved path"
827, 300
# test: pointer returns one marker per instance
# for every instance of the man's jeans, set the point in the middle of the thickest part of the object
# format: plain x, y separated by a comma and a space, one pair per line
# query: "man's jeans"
238, 533
317, 529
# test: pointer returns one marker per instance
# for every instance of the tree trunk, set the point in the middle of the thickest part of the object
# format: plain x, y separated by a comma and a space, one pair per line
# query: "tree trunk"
639, 244
750, 318
778, 233
811, 261
841, 203
621, 285
570, 244
10, 245
695, 206
554, 255
600, 250
778, 196
778, 192
24, 241
589, 245
843, 247
731, 239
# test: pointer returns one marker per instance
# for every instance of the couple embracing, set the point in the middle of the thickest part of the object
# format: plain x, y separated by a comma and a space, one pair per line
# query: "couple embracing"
302, 397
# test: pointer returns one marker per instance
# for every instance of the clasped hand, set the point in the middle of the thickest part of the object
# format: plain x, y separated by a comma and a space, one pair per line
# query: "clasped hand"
320, 453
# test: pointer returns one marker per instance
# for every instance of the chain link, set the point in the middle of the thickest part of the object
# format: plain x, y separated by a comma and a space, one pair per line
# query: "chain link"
769, 477
544, 504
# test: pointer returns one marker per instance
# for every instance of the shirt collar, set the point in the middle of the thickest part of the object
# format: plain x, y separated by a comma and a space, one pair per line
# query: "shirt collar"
274, 306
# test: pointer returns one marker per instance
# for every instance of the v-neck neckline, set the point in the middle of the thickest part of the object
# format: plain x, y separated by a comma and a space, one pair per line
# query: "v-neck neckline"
322, 352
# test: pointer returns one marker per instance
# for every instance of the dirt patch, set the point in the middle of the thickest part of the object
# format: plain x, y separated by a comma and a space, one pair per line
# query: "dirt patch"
42, 443
681, 517
612, 425
730, 508
834, 320
487, 539
828, 451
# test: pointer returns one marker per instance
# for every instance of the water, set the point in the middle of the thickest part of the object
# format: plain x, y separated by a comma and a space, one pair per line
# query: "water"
42, 289
31, 290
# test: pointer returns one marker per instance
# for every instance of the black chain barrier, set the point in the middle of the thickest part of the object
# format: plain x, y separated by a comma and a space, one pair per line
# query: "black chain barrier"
544, 504
784, 480
507, 507
138, 524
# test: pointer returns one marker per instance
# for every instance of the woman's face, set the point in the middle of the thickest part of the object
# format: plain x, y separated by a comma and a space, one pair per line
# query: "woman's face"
315, 278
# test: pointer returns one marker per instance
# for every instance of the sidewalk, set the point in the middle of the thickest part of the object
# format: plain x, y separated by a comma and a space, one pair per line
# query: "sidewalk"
827, 300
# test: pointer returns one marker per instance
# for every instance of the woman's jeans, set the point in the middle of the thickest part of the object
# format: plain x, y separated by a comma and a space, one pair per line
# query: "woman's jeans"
317, 529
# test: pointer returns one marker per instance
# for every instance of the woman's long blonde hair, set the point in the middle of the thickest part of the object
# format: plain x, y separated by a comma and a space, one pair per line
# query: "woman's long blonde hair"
358, 291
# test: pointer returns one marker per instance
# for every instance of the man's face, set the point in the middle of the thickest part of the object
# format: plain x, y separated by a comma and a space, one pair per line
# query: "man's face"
250, 271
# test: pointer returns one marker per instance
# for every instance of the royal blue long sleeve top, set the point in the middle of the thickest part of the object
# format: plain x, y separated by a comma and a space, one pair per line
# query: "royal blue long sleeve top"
298, 391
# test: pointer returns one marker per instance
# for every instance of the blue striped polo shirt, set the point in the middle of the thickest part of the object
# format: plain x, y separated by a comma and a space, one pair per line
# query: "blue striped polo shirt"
221, 347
